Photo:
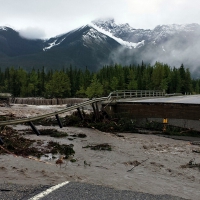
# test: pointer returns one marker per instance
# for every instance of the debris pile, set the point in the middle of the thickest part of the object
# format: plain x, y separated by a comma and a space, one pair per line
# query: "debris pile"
195, 143
135, 163
171, 130
10, 116
15, 143
50, 132
101, 147
191, 164
64, 149
79, 135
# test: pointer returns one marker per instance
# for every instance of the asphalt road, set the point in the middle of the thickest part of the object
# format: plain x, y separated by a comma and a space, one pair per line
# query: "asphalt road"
74, 191
190, 99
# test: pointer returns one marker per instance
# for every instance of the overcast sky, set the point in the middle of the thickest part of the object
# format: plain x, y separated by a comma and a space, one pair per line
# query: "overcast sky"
48, 18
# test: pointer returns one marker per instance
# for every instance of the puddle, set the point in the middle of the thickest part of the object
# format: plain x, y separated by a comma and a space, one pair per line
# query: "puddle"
49, 156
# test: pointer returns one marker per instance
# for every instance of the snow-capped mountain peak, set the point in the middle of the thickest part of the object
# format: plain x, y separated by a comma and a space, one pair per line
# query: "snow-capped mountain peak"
93, 33
111, 29
110, 26
55, 41
162, 32
102, 43
3, 28
172, 28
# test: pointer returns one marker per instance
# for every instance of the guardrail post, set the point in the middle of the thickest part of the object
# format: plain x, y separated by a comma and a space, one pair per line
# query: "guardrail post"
80, 114
59, 121
95, 109
34, 128
1, 141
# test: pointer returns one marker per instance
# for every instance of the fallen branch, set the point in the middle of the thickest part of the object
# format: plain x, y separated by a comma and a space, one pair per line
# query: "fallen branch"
196, 150
137, 165
191, 164
101, 147
187, 131
102, 167
195, 143
8, 151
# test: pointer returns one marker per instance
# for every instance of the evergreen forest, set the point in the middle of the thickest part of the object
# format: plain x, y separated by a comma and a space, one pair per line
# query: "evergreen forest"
72, 82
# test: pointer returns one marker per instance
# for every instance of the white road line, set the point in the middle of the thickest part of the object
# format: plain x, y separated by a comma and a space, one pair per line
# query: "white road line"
48, 191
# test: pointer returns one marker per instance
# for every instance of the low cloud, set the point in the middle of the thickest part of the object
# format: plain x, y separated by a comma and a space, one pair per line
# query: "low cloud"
58, 17
173, 52
32, 33
176, 52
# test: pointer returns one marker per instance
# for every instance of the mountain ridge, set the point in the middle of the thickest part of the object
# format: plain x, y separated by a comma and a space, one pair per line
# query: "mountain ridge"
103, 42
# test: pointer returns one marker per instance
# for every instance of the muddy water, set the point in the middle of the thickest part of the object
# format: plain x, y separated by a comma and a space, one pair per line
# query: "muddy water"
160, 174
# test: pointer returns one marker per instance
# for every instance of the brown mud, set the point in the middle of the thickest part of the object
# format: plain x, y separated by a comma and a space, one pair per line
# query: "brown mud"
138, 162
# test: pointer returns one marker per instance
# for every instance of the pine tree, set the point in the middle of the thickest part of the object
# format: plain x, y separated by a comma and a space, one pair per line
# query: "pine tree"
95, 89
132, 84
58, 86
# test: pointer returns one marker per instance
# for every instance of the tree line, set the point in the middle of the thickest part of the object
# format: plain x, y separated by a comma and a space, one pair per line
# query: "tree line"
72, 82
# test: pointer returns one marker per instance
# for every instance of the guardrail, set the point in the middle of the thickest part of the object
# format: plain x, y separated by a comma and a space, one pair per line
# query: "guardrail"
23, 120
135, 93
112, 96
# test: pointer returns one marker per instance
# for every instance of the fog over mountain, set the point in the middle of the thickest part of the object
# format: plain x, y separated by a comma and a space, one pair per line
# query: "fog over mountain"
172, 44
102, 42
